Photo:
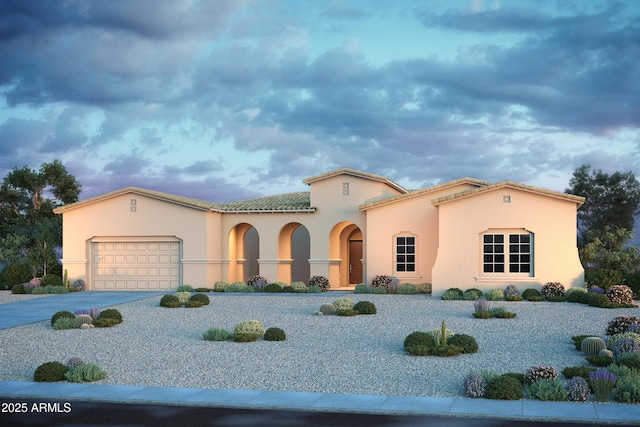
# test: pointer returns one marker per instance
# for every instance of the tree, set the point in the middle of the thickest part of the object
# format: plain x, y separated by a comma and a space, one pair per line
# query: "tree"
611, 200
29, 230
606, 258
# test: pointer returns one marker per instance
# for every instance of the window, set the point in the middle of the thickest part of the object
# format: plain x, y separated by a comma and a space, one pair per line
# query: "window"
405, 254
518, 252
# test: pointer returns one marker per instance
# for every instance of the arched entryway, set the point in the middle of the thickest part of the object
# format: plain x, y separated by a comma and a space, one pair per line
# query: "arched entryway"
346, 247
244, 252
294, 252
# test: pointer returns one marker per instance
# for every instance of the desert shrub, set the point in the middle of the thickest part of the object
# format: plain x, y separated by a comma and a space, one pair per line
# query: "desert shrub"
423, 288
511, 291
200, 298
452, 294
504, 388
482, 308
83, 319
314, 289
78, 285
381, 281
219, 286
494, 295
407, 289
347, 312
530, 292
472, 294
15, 274
539, 372
436, 334
50, 372
236, 287
598, 300
111, 313
393, 286
502, 313
18, 289
620, 324
327, 309
202, 290
467, 343
552, 289
60, 314
247, 331
602, 361
627, 390
365, 307
94, 312
343, 303
275, 334
578, 389
362, 288
551, 389
193, 304
62, 323
380, 290
602, 383
579, 295
183, 296
577, 371
217, 334
630, 360
74, 361
447, 350
419, 343
257, 282
620, 294
51, 280
105, 322
516, 375
85, 373
615, 338
635, 328
625, 345
321, 281
170, 301
299, 287
185, 288
475, 386
273, 288
288, 290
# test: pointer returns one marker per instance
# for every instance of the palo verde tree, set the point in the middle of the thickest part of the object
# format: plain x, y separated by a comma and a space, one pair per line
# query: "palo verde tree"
29, 230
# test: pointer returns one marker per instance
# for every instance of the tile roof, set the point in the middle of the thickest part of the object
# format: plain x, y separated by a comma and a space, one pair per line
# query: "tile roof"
509, 184
357, 173
288, 202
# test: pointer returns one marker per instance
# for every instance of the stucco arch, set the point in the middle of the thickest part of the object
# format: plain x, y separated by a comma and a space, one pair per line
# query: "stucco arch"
339, 251
293, 253
244, 251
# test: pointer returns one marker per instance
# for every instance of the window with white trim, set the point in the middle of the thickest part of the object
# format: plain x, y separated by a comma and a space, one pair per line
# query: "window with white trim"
507, 253
405, 254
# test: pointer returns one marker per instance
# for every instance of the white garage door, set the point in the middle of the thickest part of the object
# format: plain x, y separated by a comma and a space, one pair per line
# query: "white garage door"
136, 265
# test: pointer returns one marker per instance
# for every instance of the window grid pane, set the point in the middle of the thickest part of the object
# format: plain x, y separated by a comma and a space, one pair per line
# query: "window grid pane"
405, 254
493, 253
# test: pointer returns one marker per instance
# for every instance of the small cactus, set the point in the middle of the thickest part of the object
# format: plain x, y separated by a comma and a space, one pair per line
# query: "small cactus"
605, 352
444, 333
328, 309
83, 319
591, 346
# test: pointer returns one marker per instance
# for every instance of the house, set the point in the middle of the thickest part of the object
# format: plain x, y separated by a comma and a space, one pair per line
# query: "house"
350, 226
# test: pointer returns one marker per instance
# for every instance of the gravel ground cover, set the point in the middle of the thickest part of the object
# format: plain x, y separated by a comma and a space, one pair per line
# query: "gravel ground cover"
157, 346
7, 297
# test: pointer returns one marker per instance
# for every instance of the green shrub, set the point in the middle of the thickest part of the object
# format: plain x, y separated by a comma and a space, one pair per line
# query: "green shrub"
193, 304
185, 288
627, 390
14, 274
467, 343
85, 373
504, 388
577, 371
494, 295
18, 289
170, 301
617, 337
328, 309
105, 322
556, 298
201, 290
183, 296
362, 288
275, 334
111, 313
407, 289
200, 298
248, 330
343, 303
423, 288
299, 287
598, 300
50, 372
314, 289
447, 350
217, 334
380, 290
365, 307
347, 312
236, 287
419, 343
513, 298
219, 286
551, 389
288, 290
472, 294
41, 290
273, 288
502, 313
516, 375
60, 314
51, 280
602, 361
530, 292
62, 323
630, 360
452, 294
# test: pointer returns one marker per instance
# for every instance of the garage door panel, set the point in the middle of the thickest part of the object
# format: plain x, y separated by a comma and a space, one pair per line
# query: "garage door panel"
136, 265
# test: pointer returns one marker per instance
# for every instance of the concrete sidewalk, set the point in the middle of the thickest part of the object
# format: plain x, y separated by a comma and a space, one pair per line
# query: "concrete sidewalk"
39, 309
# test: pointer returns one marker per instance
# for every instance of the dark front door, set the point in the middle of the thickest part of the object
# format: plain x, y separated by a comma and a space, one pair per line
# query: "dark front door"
355, 261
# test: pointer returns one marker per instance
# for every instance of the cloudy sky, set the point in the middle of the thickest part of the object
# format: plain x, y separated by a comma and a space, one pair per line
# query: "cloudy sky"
226, 100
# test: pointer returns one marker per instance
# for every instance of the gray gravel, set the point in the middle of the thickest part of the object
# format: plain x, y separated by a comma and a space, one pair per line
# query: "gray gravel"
156, 346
